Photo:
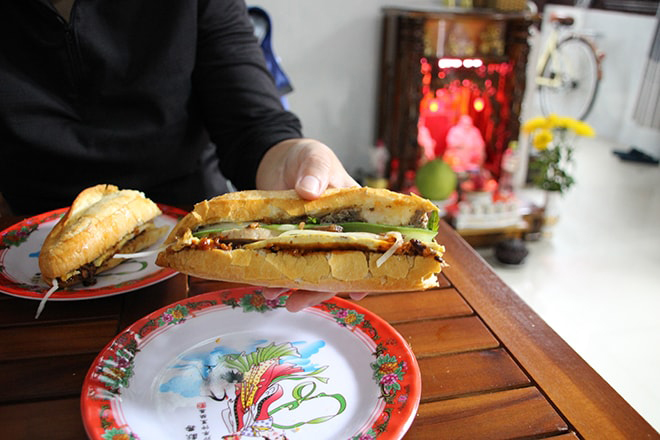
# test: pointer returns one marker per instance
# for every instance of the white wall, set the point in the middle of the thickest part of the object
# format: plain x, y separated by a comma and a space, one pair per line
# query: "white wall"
330, 50
626, 41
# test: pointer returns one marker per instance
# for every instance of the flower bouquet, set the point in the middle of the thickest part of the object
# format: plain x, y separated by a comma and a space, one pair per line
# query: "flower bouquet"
552, 159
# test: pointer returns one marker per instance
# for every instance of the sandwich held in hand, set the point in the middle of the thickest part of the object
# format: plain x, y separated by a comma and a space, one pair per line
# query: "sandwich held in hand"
350, 239
102, 221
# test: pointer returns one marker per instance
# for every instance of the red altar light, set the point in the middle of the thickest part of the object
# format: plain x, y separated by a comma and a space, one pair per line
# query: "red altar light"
470, 63
449, 63
467, 66
455, 63
452, 87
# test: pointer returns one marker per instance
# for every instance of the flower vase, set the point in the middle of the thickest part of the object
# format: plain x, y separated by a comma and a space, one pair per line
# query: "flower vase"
551, 201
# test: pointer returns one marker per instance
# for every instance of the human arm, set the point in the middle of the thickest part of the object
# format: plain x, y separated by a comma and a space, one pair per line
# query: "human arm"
235, 92
259, 143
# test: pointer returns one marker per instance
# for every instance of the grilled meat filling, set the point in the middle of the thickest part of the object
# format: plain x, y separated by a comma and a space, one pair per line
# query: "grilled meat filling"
87, 272
412, 247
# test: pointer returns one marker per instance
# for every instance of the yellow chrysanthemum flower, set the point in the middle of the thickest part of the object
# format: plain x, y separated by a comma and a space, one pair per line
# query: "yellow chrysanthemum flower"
553, 120
542, 139
583, 129
564, 122
535, 124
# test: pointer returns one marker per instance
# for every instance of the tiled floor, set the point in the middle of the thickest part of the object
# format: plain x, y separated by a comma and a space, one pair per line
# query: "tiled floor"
596, 279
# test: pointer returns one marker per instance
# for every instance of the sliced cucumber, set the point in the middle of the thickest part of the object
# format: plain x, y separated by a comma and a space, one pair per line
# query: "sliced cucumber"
221, 227
424, 235
215, 228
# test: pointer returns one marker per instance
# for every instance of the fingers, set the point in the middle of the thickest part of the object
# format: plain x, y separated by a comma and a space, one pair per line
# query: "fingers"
314, 166
357, 296
298, 299
302, 299
318, 168
271, 293
310, 186
307, 165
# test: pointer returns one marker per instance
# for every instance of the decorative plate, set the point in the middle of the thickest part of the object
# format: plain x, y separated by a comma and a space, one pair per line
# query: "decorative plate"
232, 365
19, 266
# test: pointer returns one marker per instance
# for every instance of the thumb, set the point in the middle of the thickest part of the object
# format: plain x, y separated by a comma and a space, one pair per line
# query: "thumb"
313, 175
310, 187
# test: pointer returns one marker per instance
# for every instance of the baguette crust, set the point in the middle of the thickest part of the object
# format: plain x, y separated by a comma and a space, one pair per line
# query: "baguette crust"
99, 217
149, 236
336, 271
320, 269
375, 206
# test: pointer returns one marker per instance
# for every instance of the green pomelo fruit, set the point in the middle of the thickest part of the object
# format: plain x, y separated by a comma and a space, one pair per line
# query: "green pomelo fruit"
436, 180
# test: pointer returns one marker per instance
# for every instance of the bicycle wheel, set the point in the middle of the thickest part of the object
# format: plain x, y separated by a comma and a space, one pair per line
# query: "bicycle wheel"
572, 79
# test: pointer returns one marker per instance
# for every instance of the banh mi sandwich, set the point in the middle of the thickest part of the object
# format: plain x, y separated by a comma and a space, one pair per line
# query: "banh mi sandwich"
101, 222
352, 239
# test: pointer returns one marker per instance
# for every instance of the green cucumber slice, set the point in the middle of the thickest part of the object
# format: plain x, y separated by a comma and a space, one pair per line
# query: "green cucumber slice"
424, 235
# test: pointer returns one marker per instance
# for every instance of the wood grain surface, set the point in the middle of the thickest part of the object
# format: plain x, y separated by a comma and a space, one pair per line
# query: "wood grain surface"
490, 367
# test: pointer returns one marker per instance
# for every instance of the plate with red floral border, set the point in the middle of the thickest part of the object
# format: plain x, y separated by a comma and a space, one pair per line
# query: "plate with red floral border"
19, 266
232, 365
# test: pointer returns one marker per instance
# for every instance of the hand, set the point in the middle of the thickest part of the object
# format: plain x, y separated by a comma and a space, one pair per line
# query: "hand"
309, 167
306, 165
301, 299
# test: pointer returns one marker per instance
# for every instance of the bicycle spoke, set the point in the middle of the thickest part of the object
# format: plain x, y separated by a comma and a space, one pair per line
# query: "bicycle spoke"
571, 79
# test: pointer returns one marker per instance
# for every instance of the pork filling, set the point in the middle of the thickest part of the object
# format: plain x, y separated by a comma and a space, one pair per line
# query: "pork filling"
412, 247
86, 274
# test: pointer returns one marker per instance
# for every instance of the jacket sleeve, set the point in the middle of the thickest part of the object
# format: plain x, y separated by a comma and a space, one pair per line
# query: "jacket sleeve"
236, 92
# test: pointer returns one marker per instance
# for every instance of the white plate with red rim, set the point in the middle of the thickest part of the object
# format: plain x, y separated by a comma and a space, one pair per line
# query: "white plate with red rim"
230, 364
19, 267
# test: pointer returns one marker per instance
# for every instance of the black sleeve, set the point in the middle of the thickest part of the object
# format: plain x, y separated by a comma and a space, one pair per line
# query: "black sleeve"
239, 101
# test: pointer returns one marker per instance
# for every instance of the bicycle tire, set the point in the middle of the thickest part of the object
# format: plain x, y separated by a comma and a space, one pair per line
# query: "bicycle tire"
580, 73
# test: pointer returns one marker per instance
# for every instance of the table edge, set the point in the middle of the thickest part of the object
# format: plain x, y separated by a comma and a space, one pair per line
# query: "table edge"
582, 396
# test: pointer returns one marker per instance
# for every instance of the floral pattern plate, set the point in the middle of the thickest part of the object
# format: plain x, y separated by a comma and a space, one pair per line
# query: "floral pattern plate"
19, 267
232, 365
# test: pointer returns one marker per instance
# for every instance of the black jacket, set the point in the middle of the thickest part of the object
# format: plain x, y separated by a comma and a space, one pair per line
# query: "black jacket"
135, 93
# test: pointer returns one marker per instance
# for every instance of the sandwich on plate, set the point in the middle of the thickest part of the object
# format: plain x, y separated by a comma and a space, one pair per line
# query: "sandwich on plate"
350, 240
102, 221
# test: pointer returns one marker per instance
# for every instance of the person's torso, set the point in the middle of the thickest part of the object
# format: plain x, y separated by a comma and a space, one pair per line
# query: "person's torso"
105, 94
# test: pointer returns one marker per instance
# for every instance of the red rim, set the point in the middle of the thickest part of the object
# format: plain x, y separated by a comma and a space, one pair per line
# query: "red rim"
18, 233
392, 422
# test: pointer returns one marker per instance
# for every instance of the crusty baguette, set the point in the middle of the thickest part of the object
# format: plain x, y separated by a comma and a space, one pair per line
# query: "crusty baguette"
375, 206
319, 269
98, 219
337, 271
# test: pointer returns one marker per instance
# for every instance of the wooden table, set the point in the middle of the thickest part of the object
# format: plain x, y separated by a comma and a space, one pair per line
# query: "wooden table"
491, 368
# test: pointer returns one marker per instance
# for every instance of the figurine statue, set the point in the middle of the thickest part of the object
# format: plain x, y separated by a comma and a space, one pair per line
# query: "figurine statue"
466, 149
